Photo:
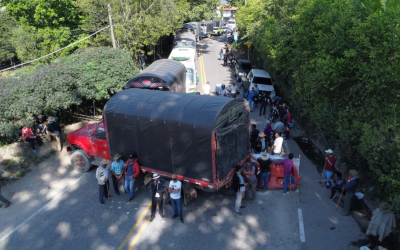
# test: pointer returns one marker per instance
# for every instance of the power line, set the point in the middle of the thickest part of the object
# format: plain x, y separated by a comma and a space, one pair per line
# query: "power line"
31, 61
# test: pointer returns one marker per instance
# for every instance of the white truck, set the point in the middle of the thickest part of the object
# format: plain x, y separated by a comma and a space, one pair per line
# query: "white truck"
188, 57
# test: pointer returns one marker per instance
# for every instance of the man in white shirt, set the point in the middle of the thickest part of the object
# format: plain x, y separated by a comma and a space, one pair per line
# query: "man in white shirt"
102, 180
206, 89
234, 90
277, 148
174, 189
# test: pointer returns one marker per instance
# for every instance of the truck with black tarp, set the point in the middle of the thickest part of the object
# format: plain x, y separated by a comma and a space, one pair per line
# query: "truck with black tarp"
164, 74
199, 138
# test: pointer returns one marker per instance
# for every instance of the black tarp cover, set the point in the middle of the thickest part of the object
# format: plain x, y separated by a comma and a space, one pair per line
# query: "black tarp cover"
164, 73
172, 132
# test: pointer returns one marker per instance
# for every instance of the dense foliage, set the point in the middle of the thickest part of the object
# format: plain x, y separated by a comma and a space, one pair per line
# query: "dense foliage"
338, 64
7, 51
88, 74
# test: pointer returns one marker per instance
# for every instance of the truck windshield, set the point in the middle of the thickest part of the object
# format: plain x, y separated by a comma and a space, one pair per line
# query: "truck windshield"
262, 80
189, 77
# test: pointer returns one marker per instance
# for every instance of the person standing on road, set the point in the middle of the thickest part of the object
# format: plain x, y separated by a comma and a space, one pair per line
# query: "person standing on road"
256, 96
329, 166
221, 53
226, 59
277, 147
253, 133
206, 89
4, 200
279, 126
283, 110
131, 172
268, 130
116, 170
264, 103
142, 59
245, 86
53, 129
239, 186
350, 189
251, 179
28, 136
260, 144
234, 90
175, 187
157, 188
102, 180
287, 172
250, 97
265, 170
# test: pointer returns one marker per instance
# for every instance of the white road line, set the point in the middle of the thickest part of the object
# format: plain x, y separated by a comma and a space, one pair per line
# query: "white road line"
40, 210
301, 225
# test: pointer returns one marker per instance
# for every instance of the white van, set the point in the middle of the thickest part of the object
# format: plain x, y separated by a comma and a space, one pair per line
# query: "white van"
188, 57
262, 79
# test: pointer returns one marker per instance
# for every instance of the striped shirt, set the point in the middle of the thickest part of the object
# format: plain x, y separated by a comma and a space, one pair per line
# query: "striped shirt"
117, 167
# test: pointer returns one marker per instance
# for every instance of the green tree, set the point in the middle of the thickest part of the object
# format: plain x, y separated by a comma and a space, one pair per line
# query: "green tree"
7, 24
202, 9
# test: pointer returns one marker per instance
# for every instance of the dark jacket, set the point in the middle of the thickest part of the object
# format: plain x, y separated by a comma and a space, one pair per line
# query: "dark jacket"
259, 142
154, 189
351, 186
143, 58
254, 135
53, 127
236, 182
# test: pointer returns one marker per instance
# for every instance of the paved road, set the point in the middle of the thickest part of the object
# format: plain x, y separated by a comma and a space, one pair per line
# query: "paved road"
58, 218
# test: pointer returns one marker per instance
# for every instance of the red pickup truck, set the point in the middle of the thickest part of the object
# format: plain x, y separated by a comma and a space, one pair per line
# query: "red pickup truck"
199, 138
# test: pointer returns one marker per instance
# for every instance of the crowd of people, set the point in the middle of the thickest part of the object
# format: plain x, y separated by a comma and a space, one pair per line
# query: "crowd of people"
126, 173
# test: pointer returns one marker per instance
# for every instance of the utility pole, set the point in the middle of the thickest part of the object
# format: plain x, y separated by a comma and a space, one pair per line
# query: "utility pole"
111, 26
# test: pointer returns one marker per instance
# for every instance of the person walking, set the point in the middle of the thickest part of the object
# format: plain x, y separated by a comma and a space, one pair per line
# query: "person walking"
142, 59
251, 179
265, 170
245, 85
28, 136
226, 59
102, 179
131, 172
116, 170
264, 103
329, 167
54, 130
287, 172
4, 200
350, 189
250, 98
157, 188
221, 53
206, 89
278, 143
239, 186
175, 187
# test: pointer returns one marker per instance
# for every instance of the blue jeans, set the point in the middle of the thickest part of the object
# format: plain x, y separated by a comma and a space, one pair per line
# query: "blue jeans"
40, 128
129, 186
265, 177
263, 107
251, 104
142, 65
220, 56
103, 192
177, 206
287, 181
245, 93
327, 176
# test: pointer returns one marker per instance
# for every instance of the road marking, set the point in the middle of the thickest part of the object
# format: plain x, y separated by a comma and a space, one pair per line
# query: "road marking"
40, 210
301, 225
135, 226
138, 234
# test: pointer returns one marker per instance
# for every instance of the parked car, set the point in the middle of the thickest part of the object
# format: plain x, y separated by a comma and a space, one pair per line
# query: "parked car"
263, 81
242, 68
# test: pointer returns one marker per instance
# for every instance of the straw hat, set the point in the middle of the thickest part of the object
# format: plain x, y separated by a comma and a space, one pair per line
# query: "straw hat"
116, 156
156, 176
264, 156
261, 134
354, 173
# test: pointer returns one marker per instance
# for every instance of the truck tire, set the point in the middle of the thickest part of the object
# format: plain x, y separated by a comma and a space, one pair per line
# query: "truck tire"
80, 161
166, 193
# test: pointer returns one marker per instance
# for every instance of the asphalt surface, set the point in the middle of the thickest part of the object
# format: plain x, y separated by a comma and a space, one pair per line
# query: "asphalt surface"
64, 212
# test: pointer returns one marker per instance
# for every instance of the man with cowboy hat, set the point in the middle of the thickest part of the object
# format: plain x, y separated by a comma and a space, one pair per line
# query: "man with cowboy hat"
102, 179
131, 172
350, 189
260, 144
116, 170
53, 129
329, 166
265, 170
157, 188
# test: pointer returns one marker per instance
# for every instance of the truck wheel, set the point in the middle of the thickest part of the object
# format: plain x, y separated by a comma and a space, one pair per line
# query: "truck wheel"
80, 161
166, 193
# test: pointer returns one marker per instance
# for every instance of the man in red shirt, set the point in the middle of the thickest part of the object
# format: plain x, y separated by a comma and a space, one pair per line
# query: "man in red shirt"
329, 166
28, 136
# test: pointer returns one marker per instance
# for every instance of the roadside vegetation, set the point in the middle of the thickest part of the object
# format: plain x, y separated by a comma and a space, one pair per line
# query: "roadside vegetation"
337, 63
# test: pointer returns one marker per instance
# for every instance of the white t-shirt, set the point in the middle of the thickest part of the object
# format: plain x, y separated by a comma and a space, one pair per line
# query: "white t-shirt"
234, 89
207, 89
175, 186
278, 145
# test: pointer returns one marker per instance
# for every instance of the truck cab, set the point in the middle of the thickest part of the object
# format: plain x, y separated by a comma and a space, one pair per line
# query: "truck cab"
89, 146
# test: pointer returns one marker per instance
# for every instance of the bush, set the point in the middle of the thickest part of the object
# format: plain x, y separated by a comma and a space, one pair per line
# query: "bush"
88, 74
338, 64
